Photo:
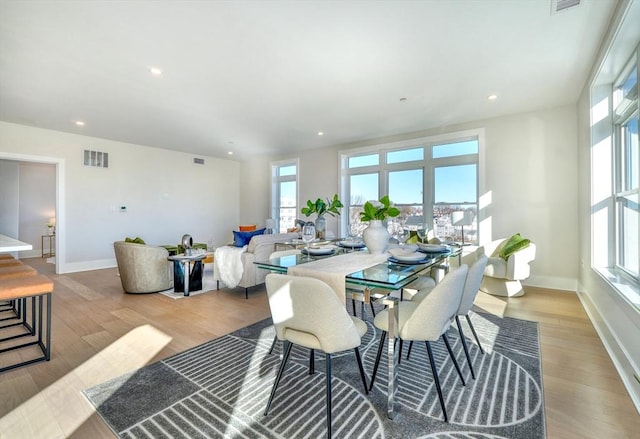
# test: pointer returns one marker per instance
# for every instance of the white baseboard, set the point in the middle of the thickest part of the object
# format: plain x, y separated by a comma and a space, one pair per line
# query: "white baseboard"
616, 351
72, 267
552, 283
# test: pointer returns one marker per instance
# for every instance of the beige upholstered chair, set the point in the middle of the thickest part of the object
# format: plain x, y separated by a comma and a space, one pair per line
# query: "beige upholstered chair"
279, 254
143, 268
427, 320
471, 287
307, 312
502, 278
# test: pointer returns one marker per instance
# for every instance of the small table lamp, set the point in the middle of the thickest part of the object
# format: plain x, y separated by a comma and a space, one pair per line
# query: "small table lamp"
462, 218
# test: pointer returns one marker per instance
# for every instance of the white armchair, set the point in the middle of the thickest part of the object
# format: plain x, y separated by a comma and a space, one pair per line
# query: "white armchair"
502, 277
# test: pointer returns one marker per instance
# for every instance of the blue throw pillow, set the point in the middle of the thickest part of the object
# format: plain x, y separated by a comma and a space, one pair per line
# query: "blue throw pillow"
240, 239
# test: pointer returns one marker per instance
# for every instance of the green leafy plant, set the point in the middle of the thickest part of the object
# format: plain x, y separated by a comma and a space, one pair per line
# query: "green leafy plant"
321, 207
379, 210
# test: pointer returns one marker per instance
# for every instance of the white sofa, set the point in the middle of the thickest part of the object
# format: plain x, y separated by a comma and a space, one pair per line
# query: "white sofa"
502, 278
259, 249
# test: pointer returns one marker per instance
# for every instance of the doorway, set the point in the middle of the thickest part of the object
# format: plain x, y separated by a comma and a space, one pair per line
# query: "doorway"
57, 212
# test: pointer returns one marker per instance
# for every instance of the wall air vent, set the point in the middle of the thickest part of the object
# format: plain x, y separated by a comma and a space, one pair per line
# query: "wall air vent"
198, 161
96, 159
563, 5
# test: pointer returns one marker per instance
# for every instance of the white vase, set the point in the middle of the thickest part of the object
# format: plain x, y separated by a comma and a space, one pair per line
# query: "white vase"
376, 237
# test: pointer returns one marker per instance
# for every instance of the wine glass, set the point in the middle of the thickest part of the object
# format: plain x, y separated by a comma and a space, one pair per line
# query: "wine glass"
403, 236
308, 235
422, 232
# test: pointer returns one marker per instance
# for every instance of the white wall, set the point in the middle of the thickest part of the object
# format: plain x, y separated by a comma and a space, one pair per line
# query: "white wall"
9, 193
616, 321
166, 195
37, 195
528, 169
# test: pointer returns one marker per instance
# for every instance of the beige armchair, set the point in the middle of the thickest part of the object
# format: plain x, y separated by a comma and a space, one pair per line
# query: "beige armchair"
143, 268
502, 277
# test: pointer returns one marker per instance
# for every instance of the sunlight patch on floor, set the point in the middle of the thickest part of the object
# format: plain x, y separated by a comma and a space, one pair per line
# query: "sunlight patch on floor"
247, 390
61, 408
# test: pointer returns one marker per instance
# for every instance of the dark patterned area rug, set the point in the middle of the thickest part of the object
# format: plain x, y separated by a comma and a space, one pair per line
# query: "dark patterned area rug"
220, 390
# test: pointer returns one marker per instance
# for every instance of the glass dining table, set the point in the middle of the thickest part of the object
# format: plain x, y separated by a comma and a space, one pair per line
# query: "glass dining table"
386, 276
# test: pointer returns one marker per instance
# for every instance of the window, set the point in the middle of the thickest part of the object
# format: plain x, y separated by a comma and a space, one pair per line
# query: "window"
627, 171
427, 179
284, 194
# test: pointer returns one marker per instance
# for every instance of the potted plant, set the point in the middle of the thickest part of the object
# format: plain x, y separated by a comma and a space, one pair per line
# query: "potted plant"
329, 206
376, 236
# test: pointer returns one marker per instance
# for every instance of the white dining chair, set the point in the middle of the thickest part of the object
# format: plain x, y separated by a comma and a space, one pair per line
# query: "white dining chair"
471, 287
307, 312
427, 320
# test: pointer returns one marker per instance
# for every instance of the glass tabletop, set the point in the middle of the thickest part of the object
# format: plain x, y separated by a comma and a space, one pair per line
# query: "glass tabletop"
388, 275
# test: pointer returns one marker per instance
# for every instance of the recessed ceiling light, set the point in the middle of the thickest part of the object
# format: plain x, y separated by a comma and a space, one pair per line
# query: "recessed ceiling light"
79, 123
230, 153
492, 97
155, 71
320, 133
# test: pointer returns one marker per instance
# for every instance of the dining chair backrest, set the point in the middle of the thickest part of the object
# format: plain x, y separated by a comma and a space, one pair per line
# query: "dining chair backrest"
307, 312
472, 285
432, 316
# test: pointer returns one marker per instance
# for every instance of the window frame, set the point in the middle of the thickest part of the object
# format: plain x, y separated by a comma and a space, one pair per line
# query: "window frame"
428, 165
623, 113
276, 179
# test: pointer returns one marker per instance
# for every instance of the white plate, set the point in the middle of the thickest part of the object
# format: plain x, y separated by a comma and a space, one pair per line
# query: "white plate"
319, 251
351, 244
434, 248
409, 257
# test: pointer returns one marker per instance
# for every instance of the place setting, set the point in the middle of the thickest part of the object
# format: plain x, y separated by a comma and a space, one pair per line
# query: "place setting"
354, 240
320, 250
408, 255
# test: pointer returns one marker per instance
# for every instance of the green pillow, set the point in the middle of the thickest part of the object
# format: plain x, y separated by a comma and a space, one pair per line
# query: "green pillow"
513, 244
136, 240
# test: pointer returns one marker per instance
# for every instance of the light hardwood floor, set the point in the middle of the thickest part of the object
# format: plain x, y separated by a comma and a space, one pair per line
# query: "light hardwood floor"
99, 333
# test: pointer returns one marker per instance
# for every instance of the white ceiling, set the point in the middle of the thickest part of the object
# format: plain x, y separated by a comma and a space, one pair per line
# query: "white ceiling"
263, 77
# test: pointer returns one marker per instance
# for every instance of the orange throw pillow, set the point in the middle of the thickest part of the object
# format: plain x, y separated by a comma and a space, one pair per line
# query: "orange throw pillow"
248, 228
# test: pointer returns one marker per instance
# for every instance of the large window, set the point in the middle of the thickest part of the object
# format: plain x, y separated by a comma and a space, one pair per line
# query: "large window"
433, 181
284, 194
627, 171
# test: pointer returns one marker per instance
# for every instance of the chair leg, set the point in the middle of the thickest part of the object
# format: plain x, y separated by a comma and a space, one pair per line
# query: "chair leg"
400, 351
328, 363
285, 356
312, 364
474, 333
464, 346
364, 379
273, 344
377, 363
353, 305
373, 311
434, 371
409, 350
246, 293
453, 358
